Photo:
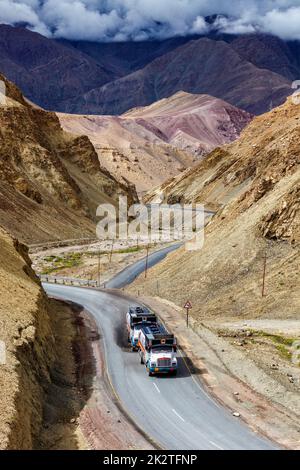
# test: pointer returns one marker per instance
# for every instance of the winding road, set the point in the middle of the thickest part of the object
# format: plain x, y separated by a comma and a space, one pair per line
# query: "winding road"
176, 412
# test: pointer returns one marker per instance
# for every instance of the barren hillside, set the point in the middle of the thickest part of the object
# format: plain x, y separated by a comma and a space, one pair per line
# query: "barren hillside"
50, 182
254, 184
149, 145
26, 330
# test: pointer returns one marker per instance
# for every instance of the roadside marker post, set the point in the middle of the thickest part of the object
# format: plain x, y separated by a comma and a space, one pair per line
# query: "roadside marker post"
188, 306
264, 276
111, 251
147, 261
99, 268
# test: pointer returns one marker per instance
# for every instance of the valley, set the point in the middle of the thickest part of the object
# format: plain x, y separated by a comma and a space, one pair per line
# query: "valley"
204, 119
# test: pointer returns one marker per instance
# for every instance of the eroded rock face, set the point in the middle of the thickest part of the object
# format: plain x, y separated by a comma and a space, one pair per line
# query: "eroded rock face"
30, 350
283, 223
46, 173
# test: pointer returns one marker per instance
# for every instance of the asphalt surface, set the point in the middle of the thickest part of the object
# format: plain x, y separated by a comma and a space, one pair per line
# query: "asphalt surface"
129, 274
176, 412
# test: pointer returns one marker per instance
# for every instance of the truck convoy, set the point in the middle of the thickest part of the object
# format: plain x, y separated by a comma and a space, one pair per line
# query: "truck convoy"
136, 318
157, 348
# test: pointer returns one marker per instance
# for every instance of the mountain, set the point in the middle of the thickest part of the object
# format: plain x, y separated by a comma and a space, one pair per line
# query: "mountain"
252, 72
149, 145
204, 66
262, 50
48, 72
50, 182
269, 52
126, 57
254, 185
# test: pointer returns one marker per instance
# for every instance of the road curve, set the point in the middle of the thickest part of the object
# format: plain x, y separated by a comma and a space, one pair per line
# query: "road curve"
174, 411
129, 274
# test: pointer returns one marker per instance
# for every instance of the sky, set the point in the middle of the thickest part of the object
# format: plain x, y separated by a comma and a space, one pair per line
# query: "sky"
121, 20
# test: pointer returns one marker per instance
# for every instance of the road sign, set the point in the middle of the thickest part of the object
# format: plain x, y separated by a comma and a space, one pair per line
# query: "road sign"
188, 305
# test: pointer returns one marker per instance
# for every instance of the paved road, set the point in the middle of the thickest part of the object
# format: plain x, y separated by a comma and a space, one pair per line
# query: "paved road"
176, 412
128, 275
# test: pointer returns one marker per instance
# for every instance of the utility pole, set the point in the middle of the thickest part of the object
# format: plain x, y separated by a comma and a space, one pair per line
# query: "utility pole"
111, 251
147, 262
99, 268
264, 275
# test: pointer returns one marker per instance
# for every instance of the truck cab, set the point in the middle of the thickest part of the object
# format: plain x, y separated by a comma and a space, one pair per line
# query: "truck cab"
157, 350
136, 318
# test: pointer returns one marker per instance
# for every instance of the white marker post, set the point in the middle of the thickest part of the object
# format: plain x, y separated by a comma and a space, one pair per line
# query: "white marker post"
2, 353
2, 93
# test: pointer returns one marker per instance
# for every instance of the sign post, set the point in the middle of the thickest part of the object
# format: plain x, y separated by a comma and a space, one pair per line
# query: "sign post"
188, 307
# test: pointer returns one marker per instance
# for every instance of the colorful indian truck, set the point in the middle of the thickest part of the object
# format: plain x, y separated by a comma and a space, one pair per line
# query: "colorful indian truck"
157, 349
136, 318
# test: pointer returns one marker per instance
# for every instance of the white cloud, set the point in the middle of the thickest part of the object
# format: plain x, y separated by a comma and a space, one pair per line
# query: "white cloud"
199, 26
285, 24
101, 20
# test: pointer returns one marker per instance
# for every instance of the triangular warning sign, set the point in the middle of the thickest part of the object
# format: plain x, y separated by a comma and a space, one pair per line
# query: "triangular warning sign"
188, 305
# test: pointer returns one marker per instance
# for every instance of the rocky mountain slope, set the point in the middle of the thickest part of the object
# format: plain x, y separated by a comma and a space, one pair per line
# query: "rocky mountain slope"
126, 57
50, 182
254, 185
149, 145
269, 52
48, 72
26, 330
203, 66
252, 72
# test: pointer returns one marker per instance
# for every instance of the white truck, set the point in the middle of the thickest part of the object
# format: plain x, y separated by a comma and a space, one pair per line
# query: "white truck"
136, 318
157, 349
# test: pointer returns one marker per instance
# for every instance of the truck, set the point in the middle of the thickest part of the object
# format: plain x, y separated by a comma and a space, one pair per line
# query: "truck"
157, 349
136, 318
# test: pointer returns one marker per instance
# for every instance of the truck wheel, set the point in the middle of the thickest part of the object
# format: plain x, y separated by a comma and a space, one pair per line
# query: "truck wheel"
150, 373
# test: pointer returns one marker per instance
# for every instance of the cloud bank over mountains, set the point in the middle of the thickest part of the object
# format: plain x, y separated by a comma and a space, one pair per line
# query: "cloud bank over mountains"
121, 20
